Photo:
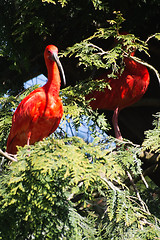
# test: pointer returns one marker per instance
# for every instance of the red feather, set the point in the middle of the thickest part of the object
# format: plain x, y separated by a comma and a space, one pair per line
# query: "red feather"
39, 114
126, 89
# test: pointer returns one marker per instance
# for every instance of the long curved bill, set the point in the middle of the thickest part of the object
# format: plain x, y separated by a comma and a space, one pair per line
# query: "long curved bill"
56, 59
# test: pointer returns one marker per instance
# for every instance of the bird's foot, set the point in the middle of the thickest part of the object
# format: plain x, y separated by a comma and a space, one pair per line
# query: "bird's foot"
118, 136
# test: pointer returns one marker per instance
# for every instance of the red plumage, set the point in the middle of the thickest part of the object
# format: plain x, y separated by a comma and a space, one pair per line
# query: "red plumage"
39, 114
126, 89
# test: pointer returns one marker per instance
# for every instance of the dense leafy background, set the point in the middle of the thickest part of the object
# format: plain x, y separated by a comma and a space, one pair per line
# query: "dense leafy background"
27, 27
65, 187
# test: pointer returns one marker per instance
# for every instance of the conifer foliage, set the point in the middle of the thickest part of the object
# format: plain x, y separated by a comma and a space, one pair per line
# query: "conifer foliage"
67, 188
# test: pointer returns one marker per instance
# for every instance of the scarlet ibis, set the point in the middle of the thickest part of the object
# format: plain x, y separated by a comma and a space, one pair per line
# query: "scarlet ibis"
39, 114
126, 89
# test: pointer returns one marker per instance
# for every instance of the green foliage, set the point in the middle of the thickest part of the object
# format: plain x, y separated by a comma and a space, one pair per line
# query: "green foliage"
6, 104
157, 36
152, 140
39, 190
98, 4
66, 188
27, 26
92, 56
62, 2
76, 108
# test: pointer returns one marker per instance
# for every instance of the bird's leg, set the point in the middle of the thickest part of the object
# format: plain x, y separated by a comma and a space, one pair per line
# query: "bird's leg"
115, 124
28, 141
28, 137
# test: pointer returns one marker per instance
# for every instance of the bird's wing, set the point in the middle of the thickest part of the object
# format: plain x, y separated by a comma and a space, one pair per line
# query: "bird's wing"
26, 112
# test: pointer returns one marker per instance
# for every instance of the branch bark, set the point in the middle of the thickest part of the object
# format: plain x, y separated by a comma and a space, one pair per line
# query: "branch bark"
8, 156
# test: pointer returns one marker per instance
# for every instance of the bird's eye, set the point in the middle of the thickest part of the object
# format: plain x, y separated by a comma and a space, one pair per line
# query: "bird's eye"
49, 52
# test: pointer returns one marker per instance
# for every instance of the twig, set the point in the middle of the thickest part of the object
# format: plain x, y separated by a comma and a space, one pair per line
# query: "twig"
8, 156
144, 180
152, 36
109, 183
102, 52
145, 208
126, 142
144, 64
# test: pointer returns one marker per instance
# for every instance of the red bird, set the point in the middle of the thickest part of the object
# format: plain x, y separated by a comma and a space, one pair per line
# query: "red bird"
126, 89
39, 114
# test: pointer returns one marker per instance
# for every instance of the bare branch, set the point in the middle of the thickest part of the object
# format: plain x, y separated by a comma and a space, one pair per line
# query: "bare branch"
145, 208
144, 180
152, 36
102, 52
9, 156
109, 183
144, 64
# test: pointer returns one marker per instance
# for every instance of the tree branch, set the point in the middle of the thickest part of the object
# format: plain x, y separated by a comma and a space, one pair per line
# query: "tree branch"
152, 36
145, 208
9, 156
102, 52
138, 60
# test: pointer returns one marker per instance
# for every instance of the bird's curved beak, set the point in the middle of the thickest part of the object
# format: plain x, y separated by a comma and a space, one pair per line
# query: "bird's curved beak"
56, 59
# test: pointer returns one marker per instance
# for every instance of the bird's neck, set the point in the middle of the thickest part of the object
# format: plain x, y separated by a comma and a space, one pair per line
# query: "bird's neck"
53, 84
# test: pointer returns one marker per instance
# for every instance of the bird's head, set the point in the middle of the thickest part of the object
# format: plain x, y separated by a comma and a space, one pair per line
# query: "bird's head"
50, 56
